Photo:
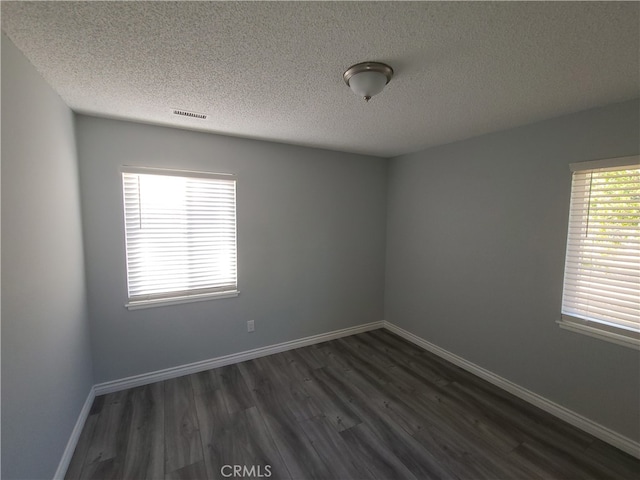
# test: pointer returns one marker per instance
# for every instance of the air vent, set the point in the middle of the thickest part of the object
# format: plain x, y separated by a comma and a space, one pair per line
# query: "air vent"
185, 113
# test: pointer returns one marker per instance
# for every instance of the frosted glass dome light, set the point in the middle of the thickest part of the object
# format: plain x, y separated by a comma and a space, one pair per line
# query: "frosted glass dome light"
368, 79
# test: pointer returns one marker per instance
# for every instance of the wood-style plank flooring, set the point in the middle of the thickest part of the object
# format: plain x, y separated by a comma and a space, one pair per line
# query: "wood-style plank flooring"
369, 406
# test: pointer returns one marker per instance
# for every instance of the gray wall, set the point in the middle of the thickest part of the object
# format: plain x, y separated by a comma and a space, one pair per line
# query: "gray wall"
475, 249
476, 235
46, 361
311, 228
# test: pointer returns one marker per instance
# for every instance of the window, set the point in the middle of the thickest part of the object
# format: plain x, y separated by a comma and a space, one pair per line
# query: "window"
180, 233
602, 269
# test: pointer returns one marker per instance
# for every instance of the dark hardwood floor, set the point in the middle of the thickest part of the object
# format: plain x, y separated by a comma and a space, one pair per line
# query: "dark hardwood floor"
369, 406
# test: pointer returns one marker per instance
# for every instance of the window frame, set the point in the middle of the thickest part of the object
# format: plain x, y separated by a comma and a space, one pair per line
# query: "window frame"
178, 296
609, 331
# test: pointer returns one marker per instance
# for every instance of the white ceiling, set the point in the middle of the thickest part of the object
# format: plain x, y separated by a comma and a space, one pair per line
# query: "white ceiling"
274, 70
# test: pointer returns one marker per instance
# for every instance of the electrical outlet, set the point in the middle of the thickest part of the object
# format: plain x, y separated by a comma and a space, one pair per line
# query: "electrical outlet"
251, 325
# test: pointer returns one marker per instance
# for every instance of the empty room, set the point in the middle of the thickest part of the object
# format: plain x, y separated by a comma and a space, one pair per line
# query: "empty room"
320, 240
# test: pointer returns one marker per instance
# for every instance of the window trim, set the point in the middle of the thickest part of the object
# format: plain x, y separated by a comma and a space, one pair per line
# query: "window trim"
178, 300
608, 333
601, 329
177, 297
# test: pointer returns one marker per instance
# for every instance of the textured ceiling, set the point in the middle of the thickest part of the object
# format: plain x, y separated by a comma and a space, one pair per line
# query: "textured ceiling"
274, 70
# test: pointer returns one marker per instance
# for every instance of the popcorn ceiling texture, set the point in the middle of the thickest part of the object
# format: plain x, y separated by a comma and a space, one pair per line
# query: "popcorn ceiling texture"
274, 70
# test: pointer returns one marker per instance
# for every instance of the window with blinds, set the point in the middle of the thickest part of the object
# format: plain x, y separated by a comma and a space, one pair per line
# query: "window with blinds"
602, 270
180, 233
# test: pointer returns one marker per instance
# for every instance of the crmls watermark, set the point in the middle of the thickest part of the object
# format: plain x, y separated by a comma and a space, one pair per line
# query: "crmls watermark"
239, 471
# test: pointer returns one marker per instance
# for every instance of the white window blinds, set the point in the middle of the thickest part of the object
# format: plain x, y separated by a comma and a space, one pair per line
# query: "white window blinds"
180, 231
602, 269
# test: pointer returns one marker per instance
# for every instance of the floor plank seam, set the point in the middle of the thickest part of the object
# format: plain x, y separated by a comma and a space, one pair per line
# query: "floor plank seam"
368, 406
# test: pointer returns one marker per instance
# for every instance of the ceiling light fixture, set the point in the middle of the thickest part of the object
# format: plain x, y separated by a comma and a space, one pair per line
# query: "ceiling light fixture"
368, 78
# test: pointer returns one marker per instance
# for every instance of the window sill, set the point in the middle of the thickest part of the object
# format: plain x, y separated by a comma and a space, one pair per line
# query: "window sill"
620, 336
162, 302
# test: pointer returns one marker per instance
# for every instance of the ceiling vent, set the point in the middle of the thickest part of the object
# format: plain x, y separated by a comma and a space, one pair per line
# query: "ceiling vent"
185, 113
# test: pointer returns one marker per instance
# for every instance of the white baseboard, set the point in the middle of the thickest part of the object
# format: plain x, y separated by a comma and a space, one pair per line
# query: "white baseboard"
603, 433
146, 378
75, 436
607, 435
173, 372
